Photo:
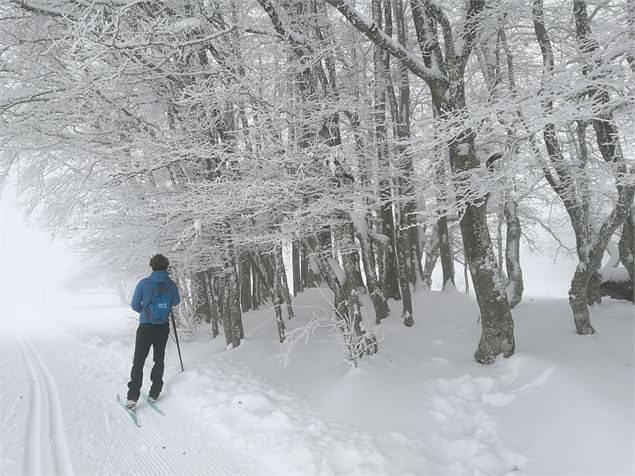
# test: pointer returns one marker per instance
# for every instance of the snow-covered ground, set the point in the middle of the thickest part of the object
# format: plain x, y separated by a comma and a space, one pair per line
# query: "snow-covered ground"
422, 406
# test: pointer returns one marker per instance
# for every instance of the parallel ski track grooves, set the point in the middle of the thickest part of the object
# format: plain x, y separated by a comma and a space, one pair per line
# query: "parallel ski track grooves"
32, 455
46, 397
148, 455
164, 445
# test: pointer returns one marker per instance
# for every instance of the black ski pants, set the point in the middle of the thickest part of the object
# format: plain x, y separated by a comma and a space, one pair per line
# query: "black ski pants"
148, 335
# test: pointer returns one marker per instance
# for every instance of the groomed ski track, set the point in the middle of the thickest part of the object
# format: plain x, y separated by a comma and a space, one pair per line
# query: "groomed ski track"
60, 417
45, 420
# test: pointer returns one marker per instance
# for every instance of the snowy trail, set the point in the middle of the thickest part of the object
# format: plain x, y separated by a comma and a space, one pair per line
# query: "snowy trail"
32, 456
45, 412
64, 418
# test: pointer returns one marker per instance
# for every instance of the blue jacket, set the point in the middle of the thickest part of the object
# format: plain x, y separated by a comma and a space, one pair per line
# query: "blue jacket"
143, 293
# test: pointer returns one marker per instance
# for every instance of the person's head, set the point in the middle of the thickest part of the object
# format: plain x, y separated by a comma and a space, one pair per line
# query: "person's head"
159, 263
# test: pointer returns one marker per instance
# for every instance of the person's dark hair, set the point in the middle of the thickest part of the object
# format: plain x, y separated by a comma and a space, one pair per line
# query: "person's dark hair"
159, 263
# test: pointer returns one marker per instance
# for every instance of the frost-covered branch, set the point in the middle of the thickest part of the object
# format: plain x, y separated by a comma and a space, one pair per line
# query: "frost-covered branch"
382, 40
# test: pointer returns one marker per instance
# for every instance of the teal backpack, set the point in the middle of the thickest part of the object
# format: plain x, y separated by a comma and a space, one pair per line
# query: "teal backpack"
160, 304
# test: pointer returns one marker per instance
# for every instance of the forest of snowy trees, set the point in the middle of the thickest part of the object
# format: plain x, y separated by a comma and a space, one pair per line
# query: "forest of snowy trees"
267, 146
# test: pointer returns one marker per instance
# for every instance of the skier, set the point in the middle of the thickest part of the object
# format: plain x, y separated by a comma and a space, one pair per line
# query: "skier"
153, 298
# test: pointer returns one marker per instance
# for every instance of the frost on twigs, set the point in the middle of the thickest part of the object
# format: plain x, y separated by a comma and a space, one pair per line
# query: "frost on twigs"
354, 346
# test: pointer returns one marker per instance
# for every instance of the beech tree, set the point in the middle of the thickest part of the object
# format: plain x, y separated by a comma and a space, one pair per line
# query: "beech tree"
566, 172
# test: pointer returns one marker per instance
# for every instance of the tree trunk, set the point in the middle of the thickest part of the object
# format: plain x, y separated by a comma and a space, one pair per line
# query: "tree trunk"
388, 264
627, 245
245, 282
362, 344
237, 331
372, 281
284, 285
234, 333
515, 286
593, 294
278, 295
496, 320
404, 262
313, 276
358, 281
432, 256
201, 299
400, 112
226, 311
346, 302
578, 300
295, 257
215, 304
404, 282
256, 293
445, 251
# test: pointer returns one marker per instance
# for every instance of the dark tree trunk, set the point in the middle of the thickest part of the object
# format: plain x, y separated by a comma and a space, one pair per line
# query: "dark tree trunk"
400, 109
245, 282
627, 244
233, 320
225, 296
278, 294
388, 264
237, 330
388, 256
256, 298
297, 276
406, 296
203, 309
445, 251
215, 303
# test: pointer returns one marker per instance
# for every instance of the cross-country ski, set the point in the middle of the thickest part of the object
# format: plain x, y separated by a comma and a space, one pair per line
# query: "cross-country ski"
131, 413
152, 404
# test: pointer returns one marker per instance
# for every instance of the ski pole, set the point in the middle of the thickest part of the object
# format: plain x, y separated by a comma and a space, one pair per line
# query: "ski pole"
178, 347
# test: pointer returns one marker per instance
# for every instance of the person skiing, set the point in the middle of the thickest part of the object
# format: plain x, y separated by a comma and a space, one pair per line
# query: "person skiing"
153, 299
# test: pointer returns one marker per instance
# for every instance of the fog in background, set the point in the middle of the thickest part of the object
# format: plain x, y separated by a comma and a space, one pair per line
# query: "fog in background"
33, 268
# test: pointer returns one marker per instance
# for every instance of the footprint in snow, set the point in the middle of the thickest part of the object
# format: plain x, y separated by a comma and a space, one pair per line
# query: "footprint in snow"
467, 433
436, 362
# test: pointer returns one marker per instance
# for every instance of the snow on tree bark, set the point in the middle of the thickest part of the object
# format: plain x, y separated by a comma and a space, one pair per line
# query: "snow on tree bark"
627, 244
515, 286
